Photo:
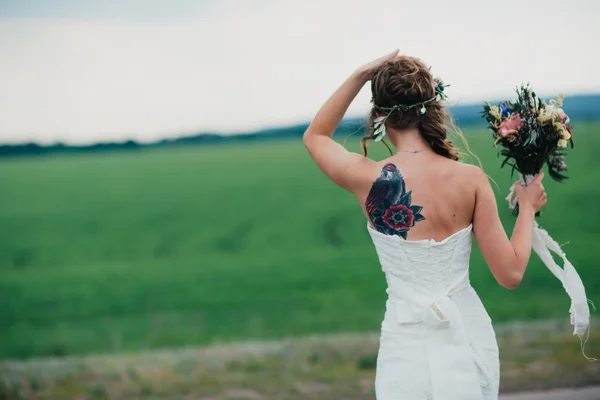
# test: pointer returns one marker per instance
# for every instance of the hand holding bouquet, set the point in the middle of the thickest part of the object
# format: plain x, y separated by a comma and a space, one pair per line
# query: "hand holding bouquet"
533, 133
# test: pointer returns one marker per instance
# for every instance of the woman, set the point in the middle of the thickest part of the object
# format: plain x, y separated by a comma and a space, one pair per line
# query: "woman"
421, 205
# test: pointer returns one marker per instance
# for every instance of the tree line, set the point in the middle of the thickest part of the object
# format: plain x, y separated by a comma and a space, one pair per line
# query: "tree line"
580, 108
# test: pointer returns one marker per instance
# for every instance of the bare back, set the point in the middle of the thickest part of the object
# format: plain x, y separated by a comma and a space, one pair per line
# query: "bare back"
438, 196
445, 189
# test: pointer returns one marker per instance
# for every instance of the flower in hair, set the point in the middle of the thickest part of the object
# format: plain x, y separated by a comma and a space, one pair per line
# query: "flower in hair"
379, 130
439, 87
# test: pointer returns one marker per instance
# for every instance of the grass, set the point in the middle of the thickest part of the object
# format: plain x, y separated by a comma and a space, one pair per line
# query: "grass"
205, 245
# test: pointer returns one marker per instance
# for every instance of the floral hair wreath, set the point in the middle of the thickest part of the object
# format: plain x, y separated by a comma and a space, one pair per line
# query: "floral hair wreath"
379, 130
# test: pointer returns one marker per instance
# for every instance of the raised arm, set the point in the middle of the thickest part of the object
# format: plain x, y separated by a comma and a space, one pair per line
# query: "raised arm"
507, 259
345, 168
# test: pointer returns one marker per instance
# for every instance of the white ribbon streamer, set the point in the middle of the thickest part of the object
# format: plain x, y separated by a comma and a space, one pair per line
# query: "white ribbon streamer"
542, 244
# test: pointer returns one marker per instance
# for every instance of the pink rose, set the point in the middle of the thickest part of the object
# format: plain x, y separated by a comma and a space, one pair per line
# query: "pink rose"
510, 126
562, 116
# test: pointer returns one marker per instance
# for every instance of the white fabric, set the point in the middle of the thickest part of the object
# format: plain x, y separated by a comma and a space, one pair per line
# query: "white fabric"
542, 244
437, 341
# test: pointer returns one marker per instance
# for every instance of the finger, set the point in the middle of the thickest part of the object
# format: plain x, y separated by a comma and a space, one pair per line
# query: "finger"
538, 178
389, 56
518, 187
394, 53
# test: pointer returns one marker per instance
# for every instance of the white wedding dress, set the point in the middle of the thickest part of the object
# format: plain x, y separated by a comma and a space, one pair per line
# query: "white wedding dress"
437, 341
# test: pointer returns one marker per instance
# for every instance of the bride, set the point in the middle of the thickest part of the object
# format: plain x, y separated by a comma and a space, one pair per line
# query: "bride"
422, 205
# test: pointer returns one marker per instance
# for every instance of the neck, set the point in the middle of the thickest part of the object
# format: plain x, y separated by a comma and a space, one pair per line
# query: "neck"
408, 140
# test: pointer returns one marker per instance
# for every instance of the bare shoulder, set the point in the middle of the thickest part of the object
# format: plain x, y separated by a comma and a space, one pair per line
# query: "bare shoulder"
467, 178
470, 173
361, 172
365, 168
468, 169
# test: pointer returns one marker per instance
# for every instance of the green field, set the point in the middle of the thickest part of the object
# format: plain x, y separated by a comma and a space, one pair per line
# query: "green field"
196, 245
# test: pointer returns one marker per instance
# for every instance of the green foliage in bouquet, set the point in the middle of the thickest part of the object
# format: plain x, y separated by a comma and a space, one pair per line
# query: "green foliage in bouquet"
532, 133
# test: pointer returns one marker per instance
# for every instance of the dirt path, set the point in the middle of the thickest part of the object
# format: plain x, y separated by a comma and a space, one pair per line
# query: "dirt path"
590, 393
338, 366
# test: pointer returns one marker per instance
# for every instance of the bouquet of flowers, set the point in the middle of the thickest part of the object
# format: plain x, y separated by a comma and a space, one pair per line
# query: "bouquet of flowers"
533, 133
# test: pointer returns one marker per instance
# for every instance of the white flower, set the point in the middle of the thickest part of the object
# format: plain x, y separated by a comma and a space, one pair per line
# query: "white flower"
495, 112
545, 115
562, 143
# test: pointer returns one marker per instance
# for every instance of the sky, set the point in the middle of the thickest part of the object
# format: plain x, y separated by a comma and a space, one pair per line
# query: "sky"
83, 71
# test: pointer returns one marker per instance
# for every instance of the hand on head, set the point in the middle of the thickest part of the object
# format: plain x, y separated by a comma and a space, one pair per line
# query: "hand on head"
369, 69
